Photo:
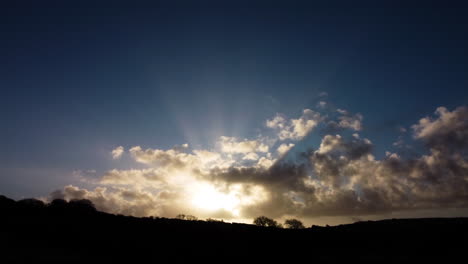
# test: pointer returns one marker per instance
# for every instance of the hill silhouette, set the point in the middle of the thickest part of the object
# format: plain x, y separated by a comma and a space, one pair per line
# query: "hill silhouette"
32, 231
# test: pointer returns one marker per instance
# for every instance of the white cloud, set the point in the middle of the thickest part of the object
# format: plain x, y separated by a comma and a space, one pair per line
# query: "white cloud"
172, 157
295, 129
448, 128
118, 200
399, 143
329, 143
284, 148
277, 122
353, 122
206, 156
342, 111
250, 156
233, 145
265, 163
117, 152
144, 177
321, 104
341, 177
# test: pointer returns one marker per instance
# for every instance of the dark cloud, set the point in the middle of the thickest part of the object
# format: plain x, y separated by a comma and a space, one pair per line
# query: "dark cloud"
340, 178
448, 132
347, 180
280, 174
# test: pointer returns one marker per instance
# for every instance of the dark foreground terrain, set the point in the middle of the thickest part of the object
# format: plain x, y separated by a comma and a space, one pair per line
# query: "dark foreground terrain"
75, 232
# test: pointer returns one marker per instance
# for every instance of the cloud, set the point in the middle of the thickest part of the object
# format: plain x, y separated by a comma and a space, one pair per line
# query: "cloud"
295, 129
265, 163
348, 180
117, 152
342, 111
344, 120
277, 122
166, 158
398, 143
339, 177
449, 131
352, 148
117, 201
233, 145
350, 121
284, 148
321, 104
250, 156
142, 177
206, 156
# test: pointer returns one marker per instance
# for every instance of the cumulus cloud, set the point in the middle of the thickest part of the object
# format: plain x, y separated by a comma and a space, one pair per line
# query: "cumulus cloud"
250, 156
399, 143
340, 176
351, 121
277, 122
449, 131
118, 201
233, 145
352, 148
141, 177
206, 156
284, 148
321, 104
166, 158
343, 121
342, 111
295, 129
117, 152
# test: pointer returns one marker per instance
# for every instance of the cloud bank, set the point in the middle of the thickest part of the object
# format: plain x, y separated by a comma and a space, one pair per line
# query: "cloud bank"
245, 178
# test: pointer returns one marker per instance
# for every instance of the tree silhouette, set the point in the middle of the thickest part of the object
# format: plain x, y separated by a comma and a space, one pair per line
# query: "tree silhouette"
293, 224
265, 221
32, 203
59, 203
212, 220
186, 217
82, 205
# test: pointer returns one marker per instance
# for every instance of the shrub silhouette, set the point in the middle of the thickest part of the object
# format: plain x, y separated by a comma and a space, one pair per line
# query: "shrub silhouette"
265, 221
293, 224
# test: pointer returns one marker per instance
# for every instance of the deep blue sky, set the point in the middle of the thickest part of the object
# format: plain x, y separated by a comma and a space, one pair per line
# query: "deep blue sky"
78, 79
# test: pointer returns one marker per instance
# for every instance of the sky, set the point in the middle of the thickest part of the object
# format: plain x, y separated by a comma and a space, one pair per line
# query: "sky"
237, 109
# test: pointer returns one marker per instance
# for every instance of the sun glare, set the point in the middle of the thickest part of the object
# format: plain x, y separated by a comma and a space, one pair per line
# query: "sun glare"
206, 197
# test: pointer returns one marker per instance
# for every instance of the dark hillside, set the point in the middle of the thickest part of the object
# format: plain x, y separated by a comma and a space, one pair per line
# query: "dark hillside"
74, 231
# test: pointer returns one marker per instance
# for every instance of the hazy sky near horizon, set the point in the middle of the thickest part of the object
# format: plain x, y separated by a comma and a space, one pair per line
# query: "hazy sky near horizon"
236, 109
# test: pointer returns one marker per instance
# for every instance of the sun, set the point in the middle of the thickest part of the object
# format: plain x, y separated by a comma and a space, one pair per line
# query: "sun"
206, 197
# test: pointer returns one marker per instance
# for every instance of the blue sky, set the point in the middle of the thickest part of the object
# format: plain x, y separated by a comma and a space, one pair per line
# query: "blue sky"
79, 81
